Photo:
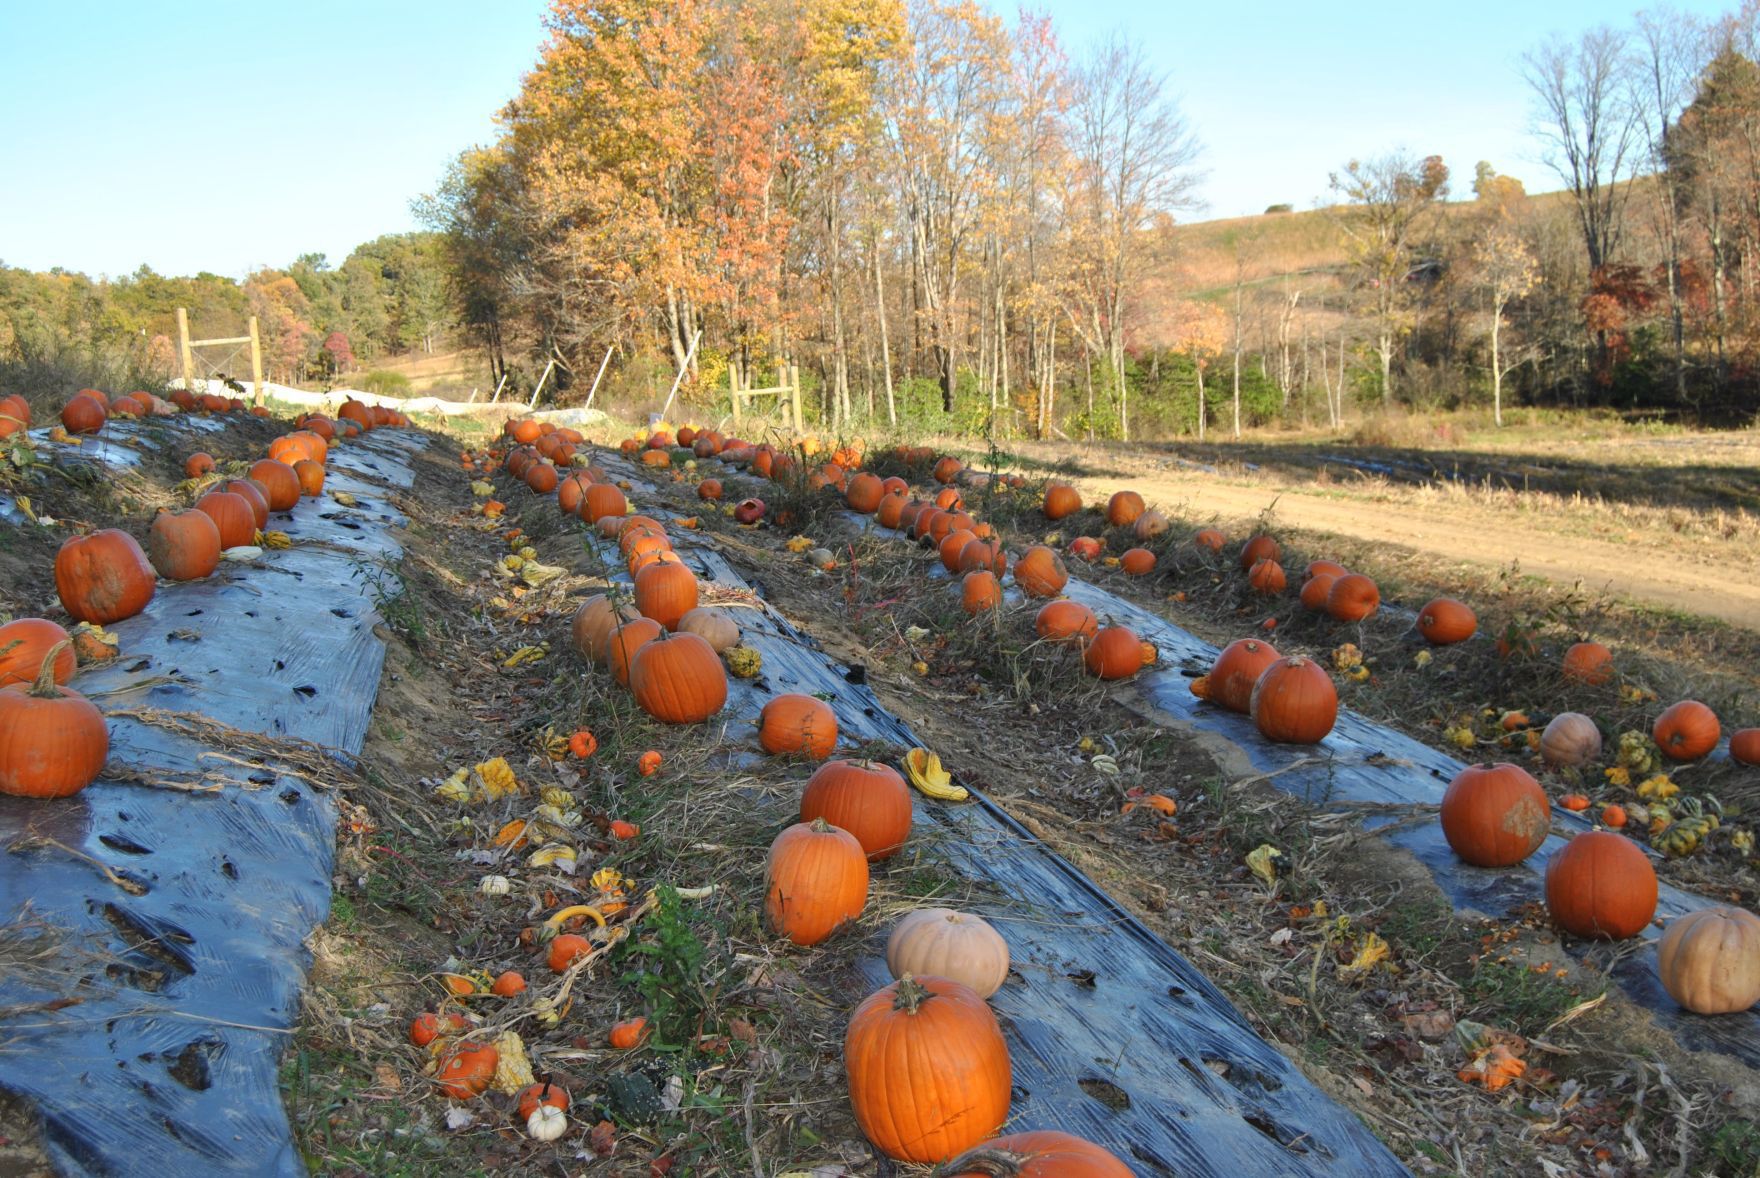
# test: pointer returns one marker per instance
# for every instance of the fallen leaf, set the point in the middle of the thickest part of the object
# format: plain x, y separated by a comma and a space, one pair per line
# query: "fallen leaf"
603, 1139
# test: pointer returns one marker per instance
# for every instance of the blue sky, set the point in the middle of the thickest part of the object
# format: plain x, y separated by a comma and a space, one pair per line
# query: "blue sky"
317, 122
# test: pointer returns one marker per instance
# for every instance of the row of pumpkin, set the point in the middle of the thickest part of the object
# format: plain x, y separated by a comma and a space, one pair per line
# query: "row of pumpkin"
905, 1040
55, 740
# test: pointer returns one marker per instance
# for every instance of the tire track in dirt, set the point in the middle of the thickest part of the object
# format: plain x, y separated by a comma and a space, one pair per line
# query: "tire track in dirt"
1633, 571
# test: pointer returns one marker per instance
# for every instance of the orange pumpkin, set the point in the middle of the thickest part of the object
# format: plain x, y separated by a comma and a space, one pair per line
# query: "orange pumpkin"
1267, 577
868, 799
1123, 508
1210, 540
1445, 621
183, 545
197, 465
465, 1071
951, 546
234, 521
1330, 568
52, 740
1589, 662
541, 477
15, 414
666, 592
1065, 622
678, 679
947, 470
1352, 598
571, 490
26, 642
800, 724
1744, 744
1040, 572
1258, 548
1601, 885
1114, 653
979, 591
541, 1094
83, 414
1687, 731
1138, 562
710, 490
1042, 1153
1085, 548
625, 642
984, 554
602, 500
1315, 591
255, 496
1294, 701
310, 473
815, 881
949, 499
864, 494
890, 512
280, 483
1061, 500
1495, 815
929, 1073
103, 577
628, 1034
1235, 672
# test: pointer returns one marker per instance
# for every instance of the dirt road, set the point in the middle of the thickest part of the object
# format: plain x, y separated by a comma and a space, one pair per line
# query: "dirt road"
1633, 570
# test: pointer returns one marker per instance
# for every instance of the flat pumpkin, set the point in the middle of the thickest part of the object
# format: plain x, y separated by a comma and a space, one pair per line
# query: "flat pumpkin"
103, 577
795, 724
943, 943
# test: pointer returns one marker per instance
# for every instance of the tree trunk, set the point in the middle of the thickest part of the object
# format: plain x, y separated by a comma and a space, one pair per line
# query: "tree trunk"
1496, 362
885, 343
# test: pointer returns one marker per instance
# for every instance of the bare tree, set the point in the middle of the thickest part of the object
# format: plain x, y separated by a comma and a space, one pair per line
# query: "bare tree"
1667, 60
1388, 204
1134, 163
1507, 272
1586, 118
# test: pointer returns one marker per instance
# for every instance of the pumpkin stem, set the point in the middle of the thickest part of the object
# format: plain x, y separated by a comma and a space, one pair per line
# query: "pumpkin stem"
987, 1161
910, 996
44, 687
820, 826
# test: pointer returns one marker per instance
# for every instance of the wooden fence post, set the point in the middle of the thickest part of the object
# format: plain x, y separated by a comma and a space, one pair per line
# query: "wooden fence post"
189, 365
256, 365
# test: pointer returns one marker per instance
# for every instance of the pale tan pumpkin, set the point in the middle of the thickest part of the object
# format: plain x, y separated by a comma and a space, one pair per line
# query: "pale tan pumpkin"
1571, 738
590, 633
943, 943
714, 626
1709, 960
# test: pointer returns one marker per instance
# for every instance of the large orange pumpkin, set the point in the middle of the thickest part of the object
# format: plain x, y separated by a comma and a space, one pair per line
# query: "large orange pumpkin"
1445, 621
541, 477
947, 470
83, 414
678, 679
666, 592
1061, 500
1114, 653
602, 500
1065, 622
1744, 746
52, 740
310, 473
868, 799
798, 724
815, 881
1123, 508
183, 545
1267, 577
1137, 562
1235, 672
929, 1073
1315, 591
890, 513
571, 490
1687, 731
234, 520
1040, 572
1041, 1153
1294, 701
1495, 815
1210, 540
951, 546
25, 643
15, 414
103, 577
279, 481
1353, 597
1601, 885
